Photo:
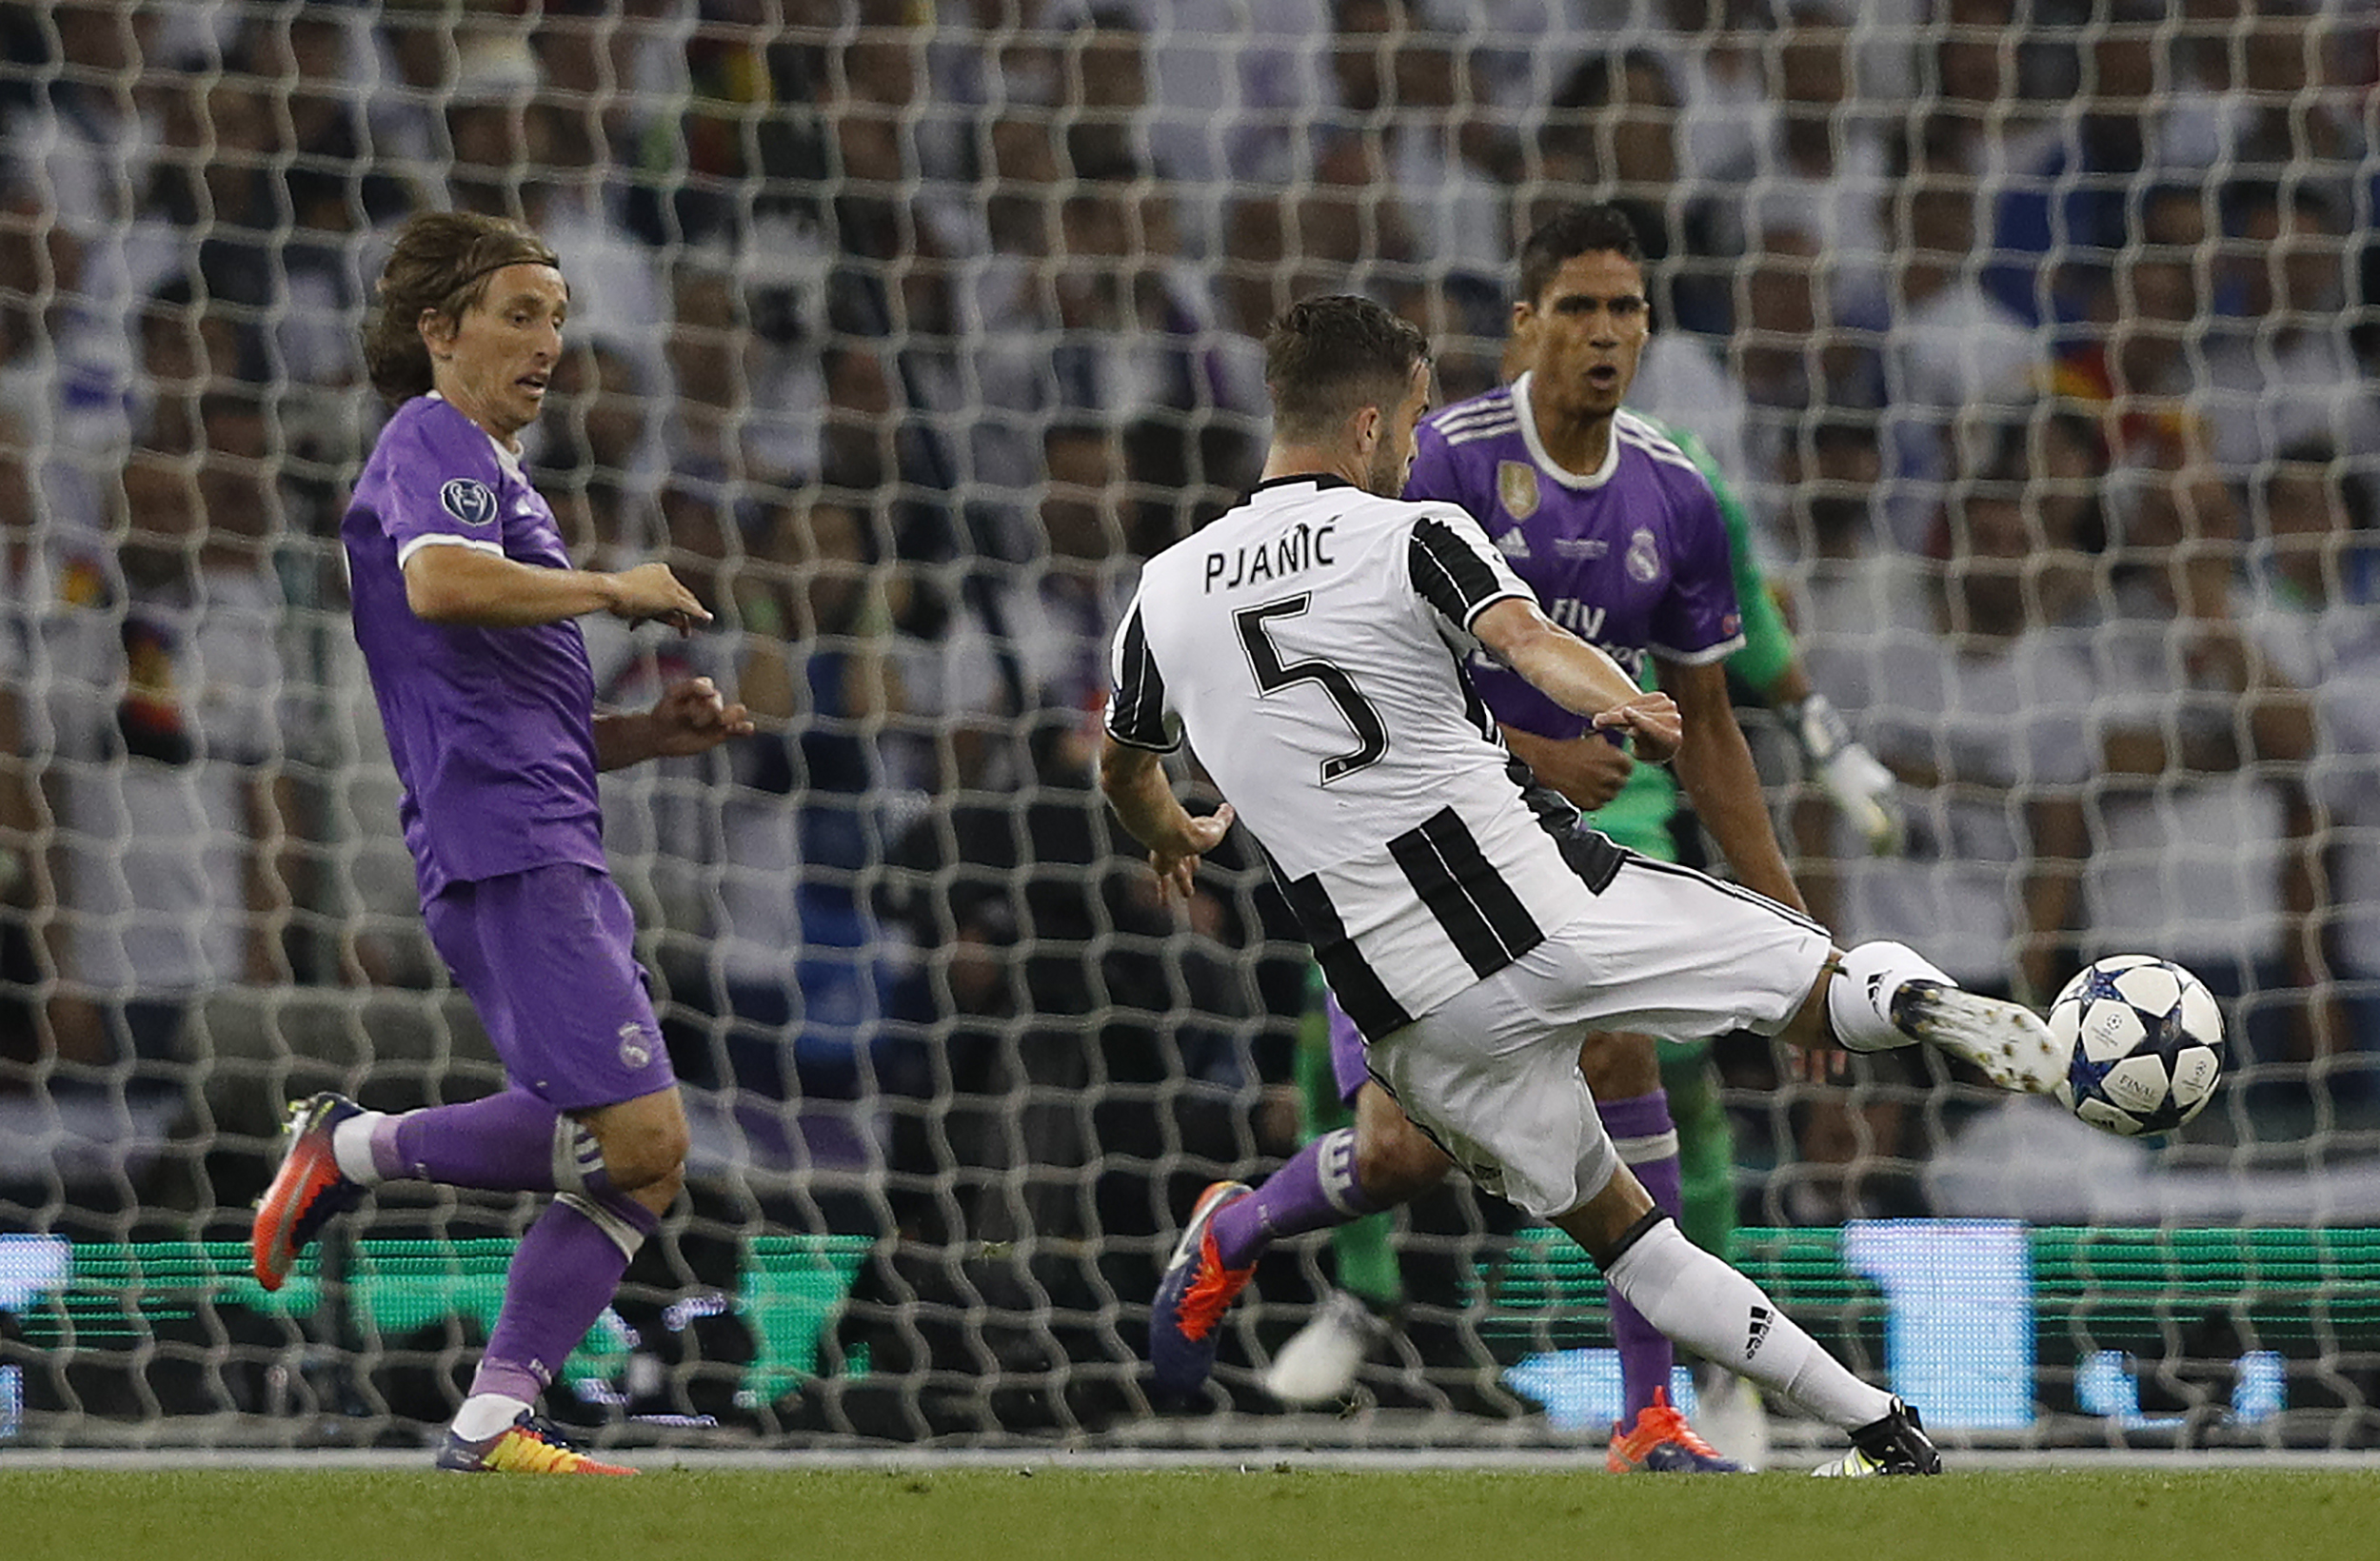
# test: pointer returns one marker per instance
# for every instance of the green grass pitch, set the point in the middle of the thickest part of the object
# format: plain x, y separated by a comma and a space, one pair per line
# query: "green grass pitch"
1045, 1513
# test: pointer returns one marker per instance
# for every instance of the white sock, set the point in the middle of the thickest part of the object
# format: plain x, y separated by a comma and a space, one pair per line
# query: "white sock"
1859, 999
484, 1414
352, 1146
1716, 1313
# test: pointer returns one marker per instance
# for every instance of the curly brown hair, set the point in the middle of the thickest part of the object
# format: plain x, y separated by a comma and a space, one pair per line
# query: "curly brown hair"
441, 260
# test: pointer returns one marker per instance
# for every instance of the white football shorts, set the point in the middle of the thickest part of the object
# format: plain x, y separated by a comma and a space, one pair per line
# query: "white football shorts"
1492, 1073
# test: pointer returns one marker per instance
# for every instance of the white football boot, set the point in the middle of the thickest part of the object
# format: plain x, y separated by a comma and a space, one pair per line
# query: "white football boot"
2009, 1042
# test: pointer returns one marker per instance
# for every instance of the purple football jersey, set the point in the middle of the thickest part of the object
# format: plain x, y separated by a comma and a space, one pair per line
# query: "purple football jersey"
492, 729
1633, 558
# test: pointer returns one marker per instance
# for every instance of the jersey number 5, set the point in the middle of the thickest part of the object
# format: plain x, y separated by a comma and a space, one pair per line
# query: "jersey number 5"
1273, 674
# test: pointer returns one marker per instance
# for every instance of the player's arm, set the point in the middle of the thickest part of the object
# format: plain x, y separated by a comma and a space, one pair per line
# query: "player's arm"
1458, 572
475, 587
1577, 676
691, 717
1134, 782
1714, 767
1141, 731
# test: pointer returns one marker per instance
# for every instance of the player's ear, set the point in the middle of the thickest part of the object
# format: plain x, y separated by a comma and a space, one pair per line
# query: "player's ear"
1520, 348
438, 329
1368, 422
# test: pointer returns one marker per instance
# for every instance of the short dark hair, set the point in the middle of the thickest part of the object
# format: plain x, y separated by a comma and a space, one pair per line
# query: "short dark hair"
1327, 358
1572, 231
441, 260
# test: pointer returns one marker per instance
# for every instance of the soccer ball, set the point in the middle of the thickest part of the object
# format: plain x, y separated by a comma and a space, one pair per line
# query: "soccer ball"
2145, 1044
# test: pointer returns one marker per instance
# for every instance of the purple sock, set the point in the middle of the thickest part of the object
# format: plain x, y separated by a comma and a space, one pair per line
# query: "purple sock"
1647, 1140
563, 1276
509, 1142
1316, 1190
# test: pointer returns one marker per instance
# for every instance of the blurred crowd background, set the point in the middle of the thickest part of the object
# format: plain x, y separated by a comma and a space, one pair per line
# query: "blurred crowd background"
2037, 335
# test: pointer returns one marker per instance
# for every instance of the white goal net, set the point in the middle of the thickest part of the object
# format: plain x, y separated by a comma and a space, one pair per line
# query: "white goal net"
2032, 336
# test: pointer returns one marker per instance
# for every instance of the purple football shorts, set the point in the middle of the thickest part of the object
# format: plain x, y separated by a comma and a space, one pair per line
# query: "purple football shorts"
1347, 1064
547, 957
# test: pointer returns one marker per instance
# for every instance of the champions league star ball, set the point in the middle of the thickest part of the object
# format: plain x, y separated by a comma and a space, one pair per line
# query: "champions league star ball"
2145, 1044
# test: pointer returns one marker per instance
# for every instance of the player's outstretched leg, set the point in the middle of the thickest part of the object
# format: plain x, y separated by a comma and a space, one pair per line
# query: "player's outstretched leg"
1196, 1291
305, 1192
1889, 996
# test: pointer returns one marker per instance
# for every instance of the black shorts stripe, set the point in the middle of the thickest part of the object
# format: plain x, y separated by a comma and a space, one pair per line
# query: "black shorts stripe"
1450, 576
1477, 909
1733, 891
1353, 981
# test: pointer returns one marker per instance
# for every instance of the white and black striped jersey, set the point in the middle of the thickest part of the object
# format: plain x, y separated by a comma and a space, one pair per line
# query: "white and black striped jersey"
1309, 645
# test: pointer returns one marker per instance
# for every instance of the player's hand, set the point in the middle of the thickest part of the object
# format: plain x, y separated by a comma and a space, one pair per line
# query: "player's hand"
1588, 771
1175, 862
651, 594
692, 717
1649, 721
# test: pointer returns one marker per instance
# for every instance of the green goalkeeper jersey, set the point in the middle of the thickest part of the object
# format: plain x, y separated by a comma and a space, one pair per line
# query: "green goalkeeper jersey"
1639, 817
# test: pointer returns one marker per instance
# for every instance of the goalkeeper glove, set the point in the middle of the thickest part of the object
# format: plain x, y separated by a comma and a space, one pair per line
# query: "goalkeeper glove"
1856, 781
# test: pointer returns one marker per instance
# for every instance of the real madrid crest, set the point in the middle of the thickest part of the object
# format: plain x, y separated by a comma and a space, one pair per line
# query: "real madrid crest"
1644, 558
1517, 488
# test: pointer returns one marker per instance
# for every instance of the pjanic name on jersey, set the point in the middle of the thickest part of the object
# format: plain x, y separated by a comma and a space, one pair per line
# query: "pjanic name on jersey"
1300, 548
